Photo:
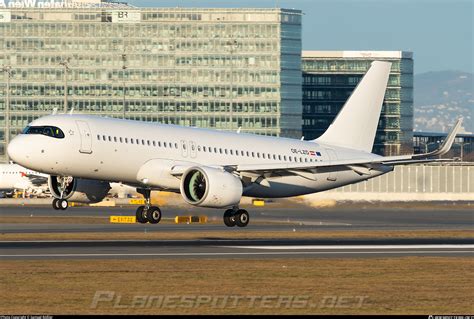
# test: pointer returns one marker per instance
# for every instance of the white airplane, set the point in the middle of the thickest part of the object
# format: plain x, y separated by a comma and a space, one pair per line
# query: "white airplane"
210, 168
14, 177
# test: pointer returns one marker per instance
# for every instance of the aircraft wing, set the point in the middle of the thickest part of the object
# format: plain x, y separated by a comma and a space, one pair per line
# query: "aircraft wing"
358, 163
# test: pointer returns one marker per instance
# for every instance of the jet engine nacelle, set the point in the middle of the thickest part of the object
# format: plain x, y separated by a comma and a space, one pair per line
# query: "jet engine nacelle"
210, 187
77, 189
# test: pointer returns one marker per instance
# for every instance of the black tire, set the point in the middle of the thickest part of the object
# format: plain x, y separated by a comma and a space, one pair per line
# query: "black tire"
55, 204
63, 204
242, 218
140, 215
229, 218
154, 215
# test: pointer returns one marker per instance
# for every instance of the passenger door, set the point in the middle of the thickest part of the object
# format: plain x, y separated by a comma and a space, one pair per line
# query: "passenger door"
332, 175
86, 137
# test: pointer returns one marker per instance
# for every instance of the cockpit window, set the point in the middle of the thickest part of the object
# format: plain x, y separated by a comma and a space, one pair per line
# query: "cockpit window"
51, 131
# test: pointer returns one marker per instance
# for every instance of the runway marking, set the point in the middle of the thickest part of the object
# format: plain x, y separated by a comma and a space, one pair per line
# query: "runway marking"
243, 253
336, 247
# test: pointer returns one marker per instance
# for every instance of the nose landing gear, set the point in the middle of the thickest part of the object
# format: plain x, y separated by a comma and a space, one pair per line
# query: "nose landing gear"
61, 203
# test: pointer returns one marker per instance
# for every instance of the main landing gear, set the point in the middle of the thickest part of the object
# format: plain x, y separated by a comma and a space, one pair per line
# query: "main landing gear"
147, 214
236, 216
152, 214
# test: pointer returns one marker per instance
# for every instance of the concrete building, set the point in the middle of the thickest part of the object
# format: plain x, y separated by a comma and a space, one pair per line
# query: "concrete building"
429, 182
215, 68
329, 77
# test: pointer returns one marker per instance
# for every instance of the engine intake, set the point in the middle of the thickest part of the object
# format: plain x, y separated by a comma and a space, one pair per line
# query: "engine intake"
210, 187
78, 189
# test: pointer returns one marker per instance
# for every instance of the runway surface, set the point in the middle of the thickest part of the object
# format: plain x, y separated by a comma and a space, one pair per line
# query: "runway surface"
278, 248
261, 219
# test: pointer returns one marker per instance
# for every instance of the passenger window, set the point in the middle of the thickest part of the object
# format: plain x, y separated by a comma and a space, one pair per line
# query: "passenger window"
103, 138
263, 155
225, 151
131, 141
204, 149
231, 152
154, 143
126, 140
258, 155
164, 144
199, 148
215, 149
110, 139
115, 139
98, 137
253, 154
121, 141
148, 142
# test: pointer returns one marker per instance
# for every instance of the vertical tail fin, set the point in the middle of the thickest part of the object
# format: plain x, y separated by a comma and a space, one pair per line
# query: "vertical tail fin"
356, 124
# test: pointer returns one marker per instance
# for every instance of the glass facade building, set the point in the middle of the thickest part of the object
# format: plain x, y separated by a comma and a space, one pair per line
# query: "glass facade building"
214, 68
329, 77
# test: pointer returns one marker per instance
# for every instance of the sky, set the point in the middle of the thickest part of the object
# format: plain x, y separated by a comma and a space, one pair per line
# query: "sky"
438, 32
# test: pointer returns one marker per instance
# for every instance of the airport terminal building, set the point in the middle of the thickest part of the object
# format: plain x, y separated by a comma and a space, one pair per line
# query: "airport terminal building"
329, 77
215, 68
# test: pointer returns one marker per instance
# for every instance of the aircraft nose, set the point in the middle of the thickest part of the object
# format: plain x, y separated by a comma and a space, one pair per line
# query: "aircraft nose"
16, 151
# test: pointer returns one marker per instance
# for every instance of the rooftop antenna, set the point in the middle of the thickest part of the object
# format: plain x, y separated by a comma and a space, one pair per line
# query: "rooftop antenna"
55, 110
70, 112
238, 130
302, 138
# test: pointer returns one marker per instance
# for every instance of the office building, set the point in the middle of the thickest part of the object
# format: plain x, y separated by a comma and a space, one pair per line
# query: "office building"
214, 68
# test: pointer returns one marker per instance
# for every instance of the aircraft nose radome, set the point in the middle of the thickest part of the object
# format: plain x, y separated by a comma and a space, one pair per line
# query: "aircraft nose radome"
15, 151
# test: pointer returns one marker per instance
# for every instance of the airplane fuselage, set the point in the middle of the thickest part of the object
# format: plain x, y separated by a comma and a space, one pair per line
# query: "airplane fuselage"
116, 150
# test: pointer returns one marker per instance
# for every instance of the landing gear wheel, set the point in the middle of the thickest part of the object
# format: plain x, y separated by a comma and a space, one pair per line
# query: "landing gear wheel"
62, 204
55, 204
154, 215
242, 218
141, 215
229, 218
